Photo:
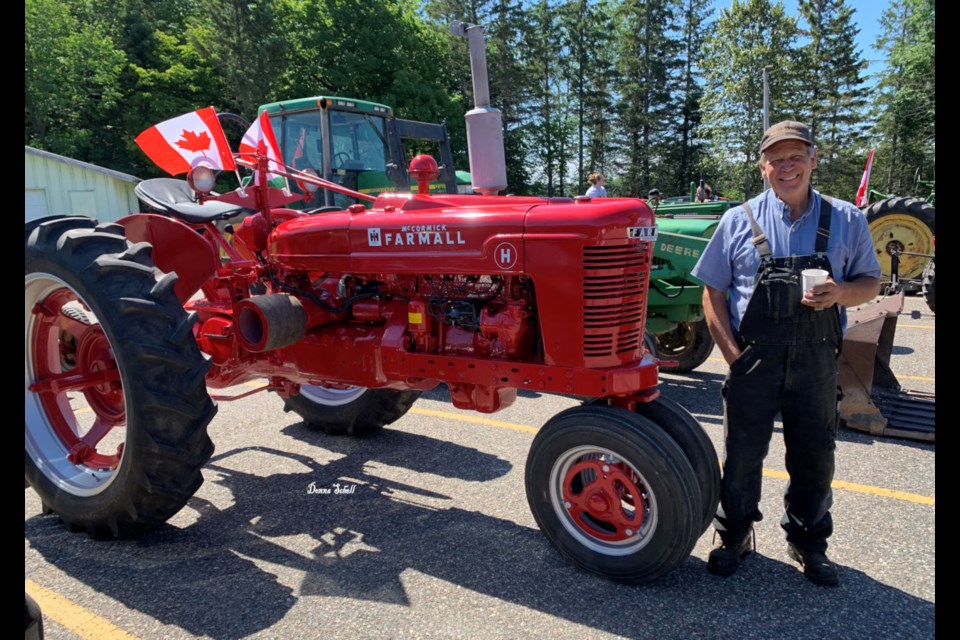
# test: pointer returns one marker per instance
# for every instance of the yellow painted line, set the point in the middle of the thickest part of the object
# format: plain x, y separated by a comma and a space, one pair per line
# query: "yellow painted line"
924, 378
474, 419
916, 326
863, 488
770, 473
80, 621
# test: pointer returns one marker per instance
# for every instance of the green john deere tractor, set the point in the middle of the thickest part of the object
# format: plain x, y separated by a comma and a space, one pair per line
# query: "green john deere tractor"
358, 144
675, 318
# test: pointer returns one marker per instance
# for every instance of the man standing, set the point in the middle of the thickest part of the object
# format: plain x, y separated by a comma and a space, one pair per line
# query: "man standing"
782, 345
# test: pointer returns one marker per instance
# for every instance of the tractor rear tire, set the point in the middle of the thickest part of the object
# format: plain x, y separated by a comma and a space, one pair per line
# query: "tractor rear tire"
905, 224
614, 493
929, 285
115, 404
690, 344
353, 411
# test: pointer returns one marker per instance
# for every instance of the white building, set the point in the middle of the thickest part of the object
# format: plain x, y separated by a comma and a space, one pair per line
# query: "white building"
56, 185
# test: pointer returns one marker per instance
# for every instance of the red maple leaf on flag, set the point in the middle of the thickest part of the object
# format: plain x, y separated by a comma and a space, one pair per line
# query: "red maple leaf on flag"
190, 141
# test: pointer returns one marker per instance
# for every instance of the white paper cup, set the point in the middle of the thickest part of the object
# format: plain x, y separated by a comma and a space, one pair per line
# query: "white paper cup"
811, 278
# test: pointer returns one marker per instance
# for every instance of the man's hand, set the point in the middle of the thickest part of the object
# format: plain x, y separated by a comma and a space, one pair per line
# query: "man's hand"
848, 294
823, 296
718, 321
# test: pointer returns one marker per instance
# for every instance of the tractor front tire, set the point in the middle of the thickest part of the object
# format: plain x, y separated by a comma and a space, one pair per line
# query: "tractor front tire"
902, 224
614, 493
929, 285
353, 411
696, 445
689, 344
115, 405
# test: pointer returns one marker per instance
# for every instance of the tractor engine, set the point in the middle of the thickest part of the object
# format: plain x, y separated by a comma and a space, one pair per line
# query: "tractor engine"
487, 294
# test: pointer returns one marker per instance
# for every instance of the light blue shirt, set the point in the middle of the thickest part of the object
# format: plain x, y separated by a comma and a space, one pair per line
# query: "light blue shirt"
730, 261
596, 192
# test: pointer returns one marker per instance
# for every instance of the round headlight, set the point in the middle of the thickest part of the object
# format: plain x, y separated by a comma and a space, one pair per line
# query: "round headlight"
202, 179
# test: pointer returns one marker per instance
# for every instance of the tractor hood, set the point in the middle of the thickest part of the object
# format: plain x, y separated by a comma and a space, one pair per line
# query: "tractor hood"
453, 234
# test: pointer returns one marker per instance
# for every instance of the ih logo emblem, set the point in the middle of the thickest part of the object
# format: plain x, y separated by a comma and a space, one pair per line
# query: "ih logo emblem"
374, 237
643, 233
505, 255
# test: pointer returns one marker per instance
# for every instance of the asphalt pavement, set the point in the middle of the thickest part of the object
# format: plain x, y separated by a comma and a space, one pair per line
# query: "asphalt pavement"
423, 531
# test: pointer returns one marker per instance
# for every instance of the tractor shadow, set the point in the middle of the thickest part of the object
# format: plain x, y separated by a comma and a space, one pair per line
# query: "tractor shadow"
260, 545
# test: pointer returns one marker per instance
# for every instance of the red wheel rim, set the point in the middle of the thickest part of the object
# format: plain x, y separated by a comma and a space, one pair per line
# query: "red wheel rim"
604, 499
76, 381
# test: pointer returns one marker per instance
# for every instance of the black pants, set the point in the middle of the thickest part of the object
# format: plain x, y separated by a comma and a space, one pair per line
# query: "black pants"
799, 383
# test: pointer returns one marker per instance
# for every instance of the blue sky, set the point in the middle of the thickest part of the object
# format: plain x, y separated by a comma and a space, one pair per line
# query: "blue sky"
867, 17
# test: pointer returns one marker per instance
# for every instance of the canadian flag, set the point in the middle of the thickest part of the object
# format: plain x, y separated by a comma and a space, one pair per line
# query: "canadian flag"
182, 143
260, 141
862, 196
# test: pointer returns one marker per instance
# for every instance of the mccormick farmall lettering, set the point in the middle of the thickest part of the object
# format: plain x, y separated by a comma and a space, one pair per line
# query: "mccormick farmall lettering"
415, 235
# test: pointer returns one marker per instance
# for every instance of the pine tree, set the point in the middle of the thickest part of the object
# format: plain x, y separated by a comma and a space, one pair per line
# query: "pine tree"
685, 151
587, 64
906, 120
835, 94
748, 36
543, 115
646, 54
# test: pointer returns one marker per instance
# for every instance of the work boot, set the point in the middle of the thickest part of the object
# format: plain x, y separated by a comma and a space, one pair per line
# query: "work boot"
726, 559
816, 566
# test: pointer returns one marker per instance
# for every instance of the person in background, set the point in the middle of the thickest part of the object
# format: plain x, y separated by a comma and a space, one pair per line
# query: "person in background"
653, 197
781, 344
705, 193
596, 189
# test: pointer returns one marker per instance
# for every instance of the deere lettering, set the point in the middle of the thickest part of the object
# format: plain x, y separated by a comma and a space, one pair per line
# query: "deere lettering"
680, 250
415, 235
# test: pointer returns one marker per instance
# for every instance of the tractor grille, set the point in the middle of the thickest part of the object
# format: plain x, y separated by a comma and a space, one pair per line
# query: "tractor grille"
614, 301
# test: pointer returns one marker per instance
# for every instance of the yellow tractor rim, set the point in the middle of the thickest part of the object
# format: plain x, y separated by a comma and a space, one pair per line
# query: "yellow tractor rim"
903, 232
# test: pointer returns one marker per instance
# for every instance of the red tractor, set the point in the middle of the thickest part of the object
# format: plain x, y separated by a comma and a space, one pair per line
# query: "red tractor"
349, 316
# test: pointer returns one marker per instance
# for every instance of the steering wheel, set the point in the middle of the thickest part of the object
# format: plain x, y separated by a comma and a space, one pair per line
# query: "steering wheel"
338, 164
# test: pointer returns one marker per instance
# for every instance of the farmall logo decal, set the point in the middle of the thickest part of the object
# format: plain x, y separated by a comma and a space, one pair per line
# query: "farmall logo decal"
419, 235
643, 233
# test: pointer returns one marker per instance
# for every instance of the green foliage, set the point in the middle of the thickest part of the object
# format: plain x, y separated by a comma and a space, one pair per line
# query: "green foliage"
748, 36
646, 60
834, 94
683, 153
71, 75
906, 117
649, 92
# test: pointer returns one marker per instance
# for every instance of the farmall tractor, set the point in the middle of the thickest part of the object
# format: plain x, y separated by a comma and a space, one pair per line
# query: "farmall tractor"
349, 316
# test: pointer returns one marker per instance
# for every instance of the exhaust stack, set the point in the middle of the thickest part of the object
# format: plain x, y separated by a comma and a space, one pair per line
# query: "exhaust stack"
488, 166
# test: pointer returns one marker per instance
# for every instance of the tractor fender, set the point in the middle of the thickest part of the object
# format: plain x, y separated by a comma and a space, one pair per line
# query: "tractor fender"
177, 247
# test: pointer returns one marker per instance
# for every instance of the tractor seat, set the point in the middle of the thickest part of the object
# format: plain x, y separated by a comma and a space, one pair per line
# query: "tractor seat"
176, 198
